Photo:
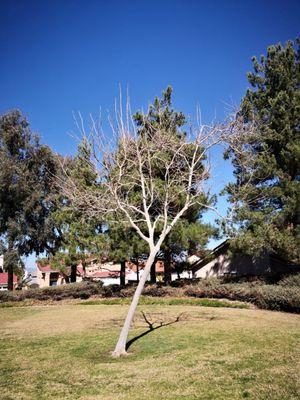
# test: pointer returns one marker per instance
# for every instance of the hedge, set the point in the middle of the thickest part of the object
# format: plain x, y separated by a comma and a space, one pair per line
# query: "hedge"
284, 296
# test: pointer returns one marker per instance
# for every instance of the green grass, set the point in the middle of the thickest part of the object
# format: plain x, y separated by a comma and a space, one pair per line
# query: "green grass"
148, 300
63, 352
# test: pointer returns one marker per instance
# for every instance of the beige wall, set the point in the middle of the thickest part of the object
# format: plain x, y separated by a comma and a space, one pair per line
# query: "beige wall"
217, 267
40, 281
45, 282
240, 265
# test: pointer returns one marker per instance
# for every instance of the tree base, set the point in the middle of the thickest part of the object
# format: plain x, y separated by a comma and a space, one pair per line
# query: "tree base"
119, 353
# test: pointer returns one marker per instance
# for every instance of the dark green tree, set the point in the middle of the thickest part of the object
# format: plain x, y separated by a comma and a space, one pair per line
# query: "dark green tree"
267, 162
27, 198
190, 234
123, 244
80, 237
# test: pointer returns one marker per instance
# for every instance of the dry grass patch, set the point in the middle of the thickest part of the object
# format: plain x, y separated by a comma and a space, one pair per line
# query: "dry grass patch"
63, 352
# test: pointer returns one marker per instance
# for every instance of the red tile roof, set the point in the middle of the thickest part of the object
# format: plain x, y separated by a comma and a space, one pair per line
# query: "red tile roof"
46, 268
159, 266
80, 271
4, 278
105, 274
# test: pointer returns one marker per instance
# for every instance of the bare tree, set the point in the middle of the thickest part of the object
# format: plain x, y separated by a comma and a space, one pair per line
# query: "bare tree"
129, 190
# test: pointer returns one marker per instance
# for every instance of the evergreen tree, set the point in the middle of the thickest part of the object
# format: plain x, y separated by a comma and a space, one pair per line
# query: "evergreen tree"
267, 166
79, 237
190, 234
123, 244
27, 198
82, 237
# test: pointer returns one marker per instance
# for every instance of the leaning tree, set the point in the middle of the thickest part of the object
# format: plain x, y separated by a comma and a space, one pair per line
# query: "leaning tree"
129, 190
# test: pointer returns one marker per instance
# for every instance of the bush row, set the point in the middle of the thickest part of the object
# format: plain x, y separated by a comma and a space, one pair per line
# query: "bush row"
284, 296
82, 290
269, 297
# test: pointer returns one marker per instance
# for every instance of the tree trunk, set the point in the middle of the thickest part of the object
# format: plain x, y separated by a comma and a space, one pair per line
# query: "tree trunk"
137, 272
167, 267
120, 348
10, 277
10, 266
123, 273
73, 273
153, 272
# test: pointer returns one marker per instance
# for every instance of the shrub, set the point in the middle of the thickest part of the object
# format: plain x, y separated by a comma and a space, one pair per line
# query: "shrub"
270, 297
159, 291
8, 296
111, 290
290, 280
284, 296
184, 281
73, 290
281, 298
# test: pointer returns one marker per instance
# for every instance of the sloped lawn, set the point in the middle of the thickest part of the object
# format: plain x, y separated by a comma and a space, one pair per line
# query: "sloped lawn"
63, 352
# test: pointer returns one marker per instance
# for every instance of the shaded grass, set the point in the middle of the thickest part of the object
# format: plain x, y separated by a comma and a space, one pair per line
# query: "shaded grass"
63, 352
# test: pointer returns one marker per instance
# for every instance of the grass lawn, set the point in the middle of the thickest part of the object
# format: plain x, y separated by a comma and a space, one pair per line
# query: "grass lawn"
63, 352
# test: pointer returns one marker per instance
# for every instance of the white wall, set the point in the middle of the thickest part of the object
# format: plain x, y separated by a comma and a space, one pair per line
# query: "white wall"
110, 281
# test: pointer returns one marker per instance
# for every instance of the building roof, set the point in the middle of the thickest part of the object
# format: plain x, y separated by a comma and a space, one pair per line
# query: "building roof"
4, 278
48, 268
80, 270
105, 274
159, 266
221, 248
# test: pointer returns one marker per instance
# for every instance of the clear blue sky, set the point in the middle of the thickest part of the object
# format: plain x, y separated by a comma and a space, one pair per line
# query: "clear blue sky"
60, 56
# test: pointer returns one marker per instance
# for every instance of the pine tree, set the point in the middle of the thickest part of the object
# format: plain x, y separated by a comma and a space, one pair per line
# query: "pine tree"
267, 167
27, 199
123, 244
191, 234
79, 237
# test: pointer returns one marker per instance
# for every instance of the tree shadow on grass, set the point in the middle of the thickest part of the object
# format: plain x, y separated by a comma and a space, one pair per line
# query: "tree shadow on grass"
152, 327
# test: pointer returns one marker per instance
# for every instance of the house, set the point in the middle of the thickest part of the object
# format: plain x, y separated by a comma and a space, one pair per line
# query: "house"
219, 263
108, 277
4, 280
30, 280
48, 276
4, 276
105, 271
108, 273
91, 265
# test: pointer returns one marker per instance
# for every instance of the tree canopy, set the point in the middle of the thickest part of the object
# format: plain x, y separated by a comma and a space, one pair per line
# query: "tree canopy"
27, 198
191, 234
267, 162
80, 237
